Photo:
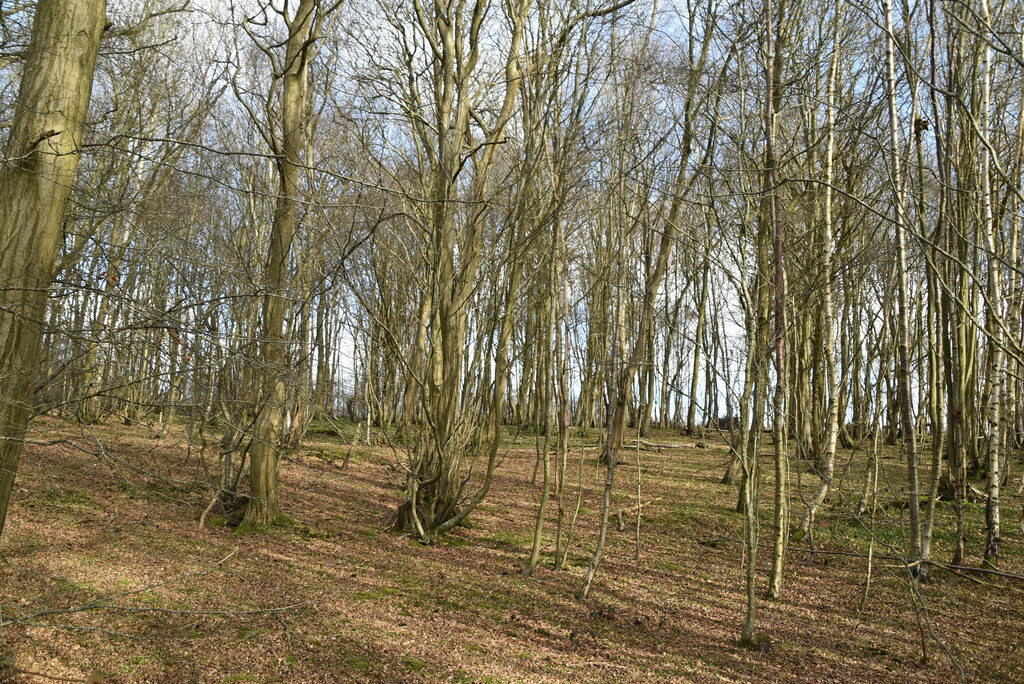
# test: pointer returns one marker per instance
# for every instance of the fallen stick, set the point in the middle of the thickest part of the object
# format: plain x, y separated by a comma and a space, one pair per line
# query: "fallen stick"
652, 445
638, 507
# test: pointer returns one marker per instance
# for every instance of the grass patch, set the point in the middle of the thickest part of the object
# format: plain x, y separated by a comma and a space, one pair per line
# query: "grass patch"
415, 664
377, 594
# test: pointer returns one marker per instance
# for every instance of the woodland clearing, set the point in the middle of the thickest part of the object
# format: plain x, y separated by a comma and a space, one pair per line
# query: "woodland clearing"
106, 571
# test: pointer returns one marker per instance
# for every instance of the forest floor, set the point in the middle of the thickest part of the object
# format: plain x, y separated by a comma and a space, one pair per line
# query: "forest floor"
105, 571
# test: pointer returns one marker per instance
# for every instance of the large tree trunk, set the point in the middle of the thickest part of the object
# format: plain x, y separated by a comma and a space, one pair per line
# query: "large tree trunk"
264, 454
42, 159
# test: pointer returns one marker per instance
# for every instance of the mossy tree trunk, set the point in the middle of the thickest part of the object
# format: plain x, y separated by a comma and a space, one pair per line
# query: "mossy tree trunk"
40, 164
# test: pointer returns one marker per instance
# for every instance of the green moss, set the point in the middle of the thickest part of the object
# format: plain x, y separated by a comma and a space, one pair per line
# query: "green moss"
509, 540
245, 633
75, 500
415, 664
247, 528
356, 663
411, 581
64, 585
455, 542
375, 594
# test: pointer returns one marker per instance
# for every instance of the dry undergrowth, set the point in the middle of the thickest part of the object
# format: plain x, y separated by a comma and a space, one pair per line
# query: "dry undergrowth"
106, 572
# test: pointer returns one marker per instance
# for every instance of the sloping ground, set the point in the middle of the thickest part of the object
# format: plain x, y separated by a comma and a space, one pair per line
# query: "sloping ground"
105, 570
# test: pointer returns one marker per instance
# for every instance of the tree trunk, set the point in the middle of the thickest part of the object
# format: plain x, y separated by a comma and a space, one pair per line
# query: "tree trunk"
905, 397
264, 454
42, 159
828, 457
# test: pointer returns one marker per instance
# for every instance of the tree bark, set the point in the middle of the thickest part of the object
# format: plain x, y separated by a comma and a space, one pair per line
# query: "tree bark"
264, 454
41, 162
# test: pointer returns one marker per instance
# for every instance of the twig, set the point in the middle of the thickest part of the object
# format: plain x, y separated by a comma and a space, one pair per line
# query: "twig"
30, 673
213, 502
984, 571
100, 602
255, 611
